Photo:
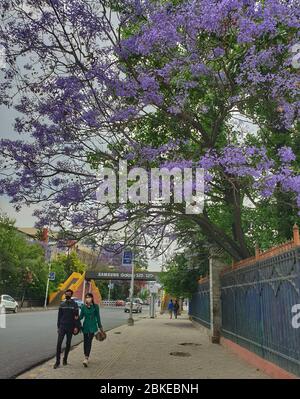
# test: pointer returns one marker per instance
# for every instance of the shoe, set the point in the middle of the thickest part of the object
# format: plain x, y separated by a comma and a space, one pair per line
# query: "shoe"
85, 362
56, 365
65, 363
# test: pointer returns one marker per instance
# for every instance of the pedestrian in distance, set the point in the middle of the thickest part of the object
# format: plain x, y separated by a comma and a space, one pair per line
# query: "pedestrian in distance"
92, 323
171, 308
176, 308
68, 313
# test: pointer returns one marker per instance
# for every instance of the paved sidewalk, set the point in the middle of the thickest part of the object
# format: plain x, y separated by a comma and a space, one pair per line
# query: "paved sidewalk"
143, 351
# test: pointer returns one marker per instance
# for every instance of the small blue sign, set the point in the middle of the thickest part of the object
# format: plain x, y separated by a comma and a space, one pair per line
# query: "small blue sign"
52, 276
127, 257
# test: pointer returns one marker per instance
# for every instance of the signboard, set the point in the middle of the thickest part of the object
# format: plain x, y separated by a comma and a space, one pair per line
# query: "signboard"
127, 257
154, 287
91, 275
52, 276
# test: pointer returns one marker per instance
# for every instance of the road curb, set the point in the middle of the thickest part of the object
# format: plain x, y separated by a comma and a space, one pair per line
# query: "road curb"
24, 310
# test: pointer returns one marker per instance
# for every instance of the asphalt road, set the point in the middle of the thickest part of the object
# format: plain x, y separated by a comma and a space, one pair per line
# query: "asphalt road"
30, 338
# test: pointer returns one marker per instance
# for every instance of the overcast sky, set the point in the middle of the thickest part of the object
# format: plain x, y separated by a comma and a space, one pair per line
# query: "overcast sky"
23, 218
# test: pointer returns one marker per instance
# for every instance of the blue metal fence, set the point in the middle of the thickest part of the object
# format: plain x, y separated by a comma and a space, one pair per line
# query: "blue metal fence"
260, 304
257, 302
199, 308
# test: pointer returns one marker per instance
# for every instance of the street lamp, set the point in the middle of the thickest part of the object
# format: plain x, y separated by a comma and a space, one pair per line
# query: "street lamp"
48, 258
130, 318
131, 256
110, 286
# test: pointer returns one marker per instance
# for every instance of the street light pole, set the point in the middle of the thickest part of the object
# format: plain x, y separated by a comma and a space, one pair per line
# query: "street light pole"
48, 258
47, 286
109, 286
130, 318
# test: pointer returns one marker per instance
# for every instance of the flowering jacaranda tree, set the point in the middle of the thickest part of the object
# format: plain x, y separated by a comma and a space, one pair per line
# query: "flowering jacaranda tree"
159, 83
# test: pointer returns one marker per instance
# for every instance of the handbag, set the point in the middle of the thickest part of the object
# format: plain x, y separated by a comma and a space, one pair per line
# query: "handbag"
100, 335
77, 325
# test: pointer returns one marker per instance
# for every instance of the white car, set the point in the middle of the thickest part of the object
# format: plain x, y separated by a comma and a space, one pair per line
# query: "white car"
140, 301
136, 307
9, 303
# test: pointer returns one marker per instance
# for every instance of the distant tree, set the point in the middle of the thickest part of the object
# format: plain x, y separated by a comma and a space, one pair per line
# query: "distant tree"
23, 272
179, 279
63, 266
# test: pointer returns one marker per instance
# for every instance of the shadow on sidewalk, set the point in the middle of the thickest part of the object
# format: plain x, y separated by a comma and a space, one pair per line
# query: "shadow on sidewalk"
179, 324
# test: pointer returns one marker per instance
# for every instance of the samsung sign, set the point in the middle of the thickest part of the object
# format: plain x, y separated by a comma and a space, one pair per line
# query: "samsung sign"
119, 276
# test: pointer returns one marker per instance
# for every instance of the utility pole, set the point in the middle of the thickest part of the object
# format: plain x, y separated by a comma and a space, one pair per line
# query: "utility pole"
47, 286
130, 318
152, 305
109, 287
48, 257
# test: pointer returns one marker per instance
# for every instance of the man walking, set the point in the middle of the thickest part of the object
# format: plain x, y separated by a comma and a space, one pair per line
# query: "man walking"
67, 314
176, 308
171, 308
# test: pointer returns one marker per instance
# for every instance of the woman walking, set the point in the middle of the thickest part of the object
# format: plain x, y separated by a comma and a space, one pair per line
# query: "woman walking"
176, 308
92, 322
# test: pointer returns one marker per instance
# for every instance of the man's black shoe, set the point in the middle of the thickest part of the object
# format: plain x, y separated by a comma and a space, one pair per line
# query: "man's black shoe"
56, 365
65, 363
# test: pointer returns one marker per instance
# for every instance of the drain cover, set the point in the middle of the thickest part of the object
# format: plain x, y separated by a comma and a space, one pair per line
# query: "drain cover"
117, 332
182, 354
189, 344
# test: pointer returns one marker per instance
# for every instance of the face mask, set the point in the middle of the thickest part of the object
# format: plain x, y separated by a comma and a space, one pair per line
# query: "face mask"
68, 297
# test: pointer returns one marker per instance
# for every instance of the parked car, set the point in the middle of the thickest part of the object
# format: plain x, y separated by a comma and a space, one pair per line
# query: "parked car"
9, 303
78, 301
136, 306
120, 302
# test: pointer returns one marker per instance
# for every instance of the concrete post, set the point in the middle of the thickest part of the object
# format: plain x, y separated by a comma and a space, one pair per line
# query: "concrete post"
152, 306
257, 252
215, 267
296, 234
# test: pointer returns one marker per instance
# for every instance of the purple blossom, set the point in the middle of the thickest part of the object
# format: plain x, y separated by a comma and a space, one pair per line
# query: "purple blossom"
166, 70
286, 154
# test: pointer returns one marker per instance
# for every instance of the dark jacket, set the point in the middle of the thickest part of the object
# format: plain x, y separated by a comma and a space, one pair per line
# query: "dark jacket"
67, 312
91, 316
176, 306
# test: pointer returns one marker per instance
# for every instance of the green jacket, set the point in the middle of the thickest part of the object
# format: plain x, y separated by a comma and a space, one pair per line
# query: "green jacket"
91, 318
